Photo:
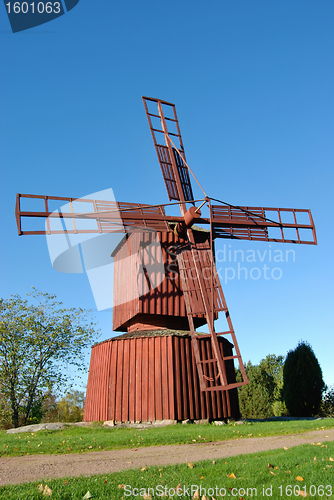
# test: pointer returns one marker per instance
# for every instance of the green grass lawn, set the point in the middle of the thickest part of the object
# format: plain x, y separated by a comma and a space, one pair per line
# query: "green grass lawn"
93, 438
275, 474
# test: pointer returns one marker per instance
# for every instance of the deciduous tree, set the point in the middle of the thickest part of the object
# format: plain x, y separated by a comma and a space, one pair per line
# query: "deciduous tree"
39, 341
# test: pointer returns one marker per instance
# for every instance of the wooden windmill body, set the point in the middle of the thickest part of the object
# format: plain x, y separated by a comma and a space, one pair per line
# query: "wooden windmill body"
162, 368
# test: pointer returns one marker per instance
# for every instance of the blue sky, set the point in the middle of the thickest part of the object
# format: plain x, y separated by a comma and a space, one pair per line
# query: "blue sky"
253, 86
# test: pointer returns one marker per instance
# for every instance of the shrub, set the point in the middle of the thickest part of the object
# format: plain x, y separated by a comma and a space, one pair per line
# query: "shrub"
327, 403
256, 398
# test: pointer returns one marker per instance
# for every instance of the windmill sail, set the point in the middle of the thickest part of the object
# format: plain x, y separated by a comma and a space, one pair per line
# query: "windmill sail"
283, 225
171, 155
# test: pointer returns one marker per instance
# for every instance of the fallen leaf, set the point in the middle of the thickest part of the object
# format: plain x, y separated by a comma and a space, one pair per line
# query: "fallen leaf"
196, 495
190, 465
194, 440
331, 459
147, 497
204, 497
232, 475
90, 447
202, 477
315, 458
143, 468
121, 486
178, 487
273, 473
270, 466
40, 487
286, 448
213, 461
299, 478
88, 495
47, 491
303, 493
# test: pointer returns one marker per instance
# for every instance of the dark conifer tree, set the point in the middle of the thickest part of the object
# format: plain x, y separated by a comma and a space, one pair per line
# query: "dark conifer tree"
303, 384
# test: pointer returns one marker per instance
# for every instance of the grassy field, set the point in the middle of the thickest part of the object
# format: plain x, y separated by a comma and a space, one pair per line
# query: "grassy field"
84, 439
305, 470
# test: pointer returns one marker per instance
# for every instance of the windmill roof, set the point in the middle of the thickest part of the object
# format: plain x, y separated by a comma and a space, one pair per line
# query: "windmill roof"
155, 333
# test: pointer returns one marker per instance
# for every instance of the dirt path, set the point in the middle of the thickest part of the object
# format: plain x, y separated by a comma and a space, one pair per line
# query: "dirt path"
38, 467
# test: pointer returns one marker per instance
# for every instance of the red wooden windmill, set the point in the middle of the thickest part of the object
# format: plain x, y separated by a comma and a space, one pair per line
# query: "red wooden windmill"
131, 379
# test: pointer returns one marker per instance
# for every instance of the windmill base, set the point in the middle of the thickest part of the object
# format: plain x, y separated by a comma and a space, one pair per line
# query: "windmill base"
146, 376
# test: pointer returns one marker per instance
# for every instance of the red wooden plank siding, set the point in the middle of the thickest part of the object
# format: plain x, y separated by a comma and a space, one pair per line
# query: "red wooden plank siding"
139, 358
164, 379
132, 381
158, 379
144, 395
151, 379
165, 299
119, 382
195, 385
113, 380
178, 388
154, 378
125, 388
171, 372
184, 381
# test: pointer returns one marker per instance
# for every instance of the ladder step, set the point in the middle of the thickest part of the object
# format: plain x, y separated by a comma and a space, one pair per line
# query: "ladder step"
158, 116
214, 360
209, 361
161, 131
223, 387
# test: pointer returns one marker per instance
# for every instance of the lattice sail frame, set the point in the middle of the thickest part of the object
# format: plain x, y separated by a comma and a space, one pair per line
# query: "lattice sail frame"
254, 223
171, 156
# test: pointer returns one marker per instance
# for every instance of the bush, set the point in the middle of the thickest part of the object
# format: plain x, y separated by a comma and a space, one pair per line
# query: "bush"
327, 403
256, 398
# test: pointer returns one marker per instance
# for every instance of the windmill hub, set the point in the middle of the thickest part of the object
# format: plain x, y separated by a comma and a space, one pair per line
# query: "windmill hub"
189, 219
